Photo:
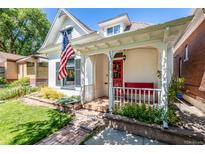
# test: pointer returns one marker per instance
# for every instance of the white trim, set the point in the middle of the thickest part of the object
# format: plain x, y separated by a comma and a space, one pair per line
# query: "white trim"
186, 55
72, 18
193, 25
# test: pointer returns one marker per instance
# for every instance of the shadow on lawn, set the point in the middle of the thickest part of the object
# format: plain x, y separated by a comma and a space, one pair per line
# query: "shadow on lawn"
32, 132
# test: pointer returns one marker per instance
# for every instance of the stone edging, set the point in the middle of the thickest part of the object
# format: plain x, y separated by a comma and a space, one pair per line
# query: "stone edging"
69, 107
172, 135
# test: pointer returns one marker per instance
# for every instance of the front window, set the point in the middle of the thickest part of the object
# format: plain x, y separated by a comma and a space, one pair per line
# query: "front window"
70, 79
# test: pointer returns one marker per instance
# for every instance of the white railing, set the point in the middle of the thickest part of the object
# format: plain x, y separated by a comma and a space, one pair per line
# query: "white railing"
124, 95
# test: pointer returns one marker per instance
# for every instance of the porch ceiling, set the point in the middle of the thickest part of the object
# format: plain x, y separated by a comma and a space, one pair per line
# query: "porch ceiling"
147, 37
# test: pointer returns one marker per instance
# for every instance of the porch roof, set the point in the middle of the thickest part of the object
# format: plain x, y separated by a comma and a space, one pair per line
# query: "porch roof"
145, 37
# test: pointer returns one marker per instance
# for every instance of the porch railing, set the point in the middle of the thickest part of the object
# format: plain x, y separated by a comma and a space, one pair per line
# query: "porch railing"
124, 95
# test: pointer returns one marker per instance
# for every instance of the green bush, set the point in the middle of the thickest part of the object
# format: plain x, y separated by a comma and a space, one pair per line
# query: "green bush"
172, 118
21, 82
175, 87
2, 80
13, 92
146, 114
69, 99
50, 93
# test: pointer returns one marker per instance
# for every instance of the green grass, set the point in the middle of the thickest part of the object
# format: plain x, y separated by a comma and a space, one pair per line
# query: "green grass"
24, 124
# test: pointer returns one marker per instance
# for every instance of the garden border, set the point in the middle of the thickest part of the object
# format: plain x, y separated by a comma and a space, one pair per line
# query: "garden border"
66, 108
172, 135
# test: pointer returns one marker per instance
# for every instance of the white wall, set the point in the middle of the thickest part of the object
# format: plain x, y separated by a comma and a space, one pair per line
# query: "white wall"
53, 57
77, 31
141, 65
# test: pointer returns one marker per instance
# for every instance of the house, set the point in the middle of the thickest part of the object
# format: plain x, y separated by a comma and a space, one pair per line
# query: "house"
14, 67
121, 61
189, 60
8, 66
35, 67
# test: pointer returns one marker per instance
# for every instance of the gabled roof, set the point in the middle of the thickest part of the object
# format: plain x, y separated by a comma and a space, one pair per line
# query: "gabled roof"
121, 15
60, 12
10, 56
35, 56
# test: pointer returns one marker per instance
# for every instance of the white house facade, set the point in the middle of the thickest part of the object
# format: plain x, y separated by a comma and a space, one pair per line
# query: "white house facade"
124, 61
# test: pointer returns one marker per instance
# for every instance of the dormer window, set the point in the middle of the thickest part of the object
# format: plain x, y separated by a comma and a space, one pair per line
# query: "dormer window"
113, 30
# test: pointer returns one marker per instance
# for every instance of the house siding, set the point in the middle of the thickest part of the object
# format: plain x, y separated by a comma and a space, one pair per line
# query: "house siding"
194, 68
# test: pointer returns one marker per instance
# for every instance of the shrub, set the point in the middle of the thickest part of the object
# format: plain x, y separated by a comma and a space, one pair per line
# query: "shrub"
21, 82
12, 92
69, 99
50, 93
175, 87
2, 80
146, 114
172, 118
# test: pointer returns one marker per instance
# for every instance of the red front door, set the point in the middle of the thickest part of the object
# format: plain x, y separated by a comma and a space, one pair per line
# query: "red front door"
117, 73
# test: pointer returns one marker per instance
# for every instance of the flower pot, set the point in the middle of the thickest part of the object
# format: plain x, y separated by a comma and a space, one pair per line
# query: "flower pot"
179, 95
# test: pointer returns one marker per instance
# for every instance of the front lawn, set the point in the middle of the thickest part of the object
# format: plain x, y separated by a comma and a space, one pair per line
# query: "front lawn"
24, 124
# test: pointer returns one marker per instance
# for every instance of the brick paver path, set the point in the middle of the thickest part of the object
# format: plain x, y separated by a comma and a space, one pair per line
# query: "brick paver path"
84, 122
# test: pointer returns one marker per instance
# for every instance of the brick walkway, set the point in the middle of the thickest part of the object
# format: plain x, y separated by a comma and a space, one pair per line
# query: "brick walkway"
191, 118
84, 122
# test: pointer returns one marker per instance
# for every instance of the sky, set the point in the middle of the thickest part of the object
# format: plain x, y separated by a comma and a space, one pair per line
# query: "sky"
91, 17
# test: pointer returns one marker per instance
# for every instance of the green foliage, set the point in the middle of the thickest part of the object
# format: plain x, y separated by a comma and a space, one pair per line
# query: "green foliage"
2, 80
172, 118
24, 124
13, 92
69, 99
21, 82
50, 93
151, 115
22, 31
175, 87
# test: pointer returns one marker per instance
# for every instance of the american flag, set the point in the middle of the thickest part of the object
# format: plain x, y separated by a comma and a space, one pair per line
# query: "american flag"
67, 51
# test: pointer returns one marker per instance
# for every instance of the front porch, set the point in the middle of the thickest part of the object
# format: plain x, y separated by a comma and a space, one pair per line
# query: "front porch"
135, 79
146, 57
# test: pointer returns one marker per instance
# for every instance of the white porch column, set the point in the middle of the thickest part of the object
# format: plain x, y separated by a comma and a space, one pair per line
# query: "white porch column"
164, 81
82, 91
110, 78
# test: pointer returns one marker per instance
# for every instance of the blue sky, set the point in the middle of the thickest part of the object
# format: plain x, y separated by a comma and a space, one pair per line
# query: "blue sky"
91, 17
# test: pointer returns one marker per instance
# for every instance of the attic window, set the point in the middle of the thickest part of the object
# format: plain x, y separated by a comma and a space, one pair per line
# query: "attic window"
113, 30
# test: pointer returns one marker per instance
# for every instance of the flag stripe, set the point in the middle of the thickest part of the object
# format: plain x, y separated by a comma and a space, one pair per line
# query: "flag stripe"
65, 55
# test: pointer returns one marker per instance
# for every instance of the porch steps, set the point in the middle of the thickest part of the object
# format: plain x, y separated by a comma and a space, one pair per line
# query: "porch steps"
100, 105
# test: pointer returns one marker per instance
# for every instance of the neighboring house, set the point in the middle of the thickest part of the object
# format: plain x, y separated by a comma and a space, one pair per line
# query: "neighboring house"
118, 61
35, 67
13, 67
8, 66
189, 60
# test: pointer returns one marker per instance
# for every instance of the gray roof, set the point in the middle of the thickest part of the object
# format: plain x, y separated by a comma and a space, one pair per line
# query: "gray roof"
136, 26
10, 56
124, 14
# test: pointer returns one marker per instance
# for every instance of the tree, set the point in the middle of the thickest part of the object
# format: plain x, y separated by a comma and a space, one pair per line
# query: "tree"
22, 31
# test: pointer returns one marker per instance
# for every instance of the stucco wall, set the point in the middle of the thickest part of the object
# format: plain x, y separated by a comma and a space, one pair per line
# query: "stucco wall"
141, 65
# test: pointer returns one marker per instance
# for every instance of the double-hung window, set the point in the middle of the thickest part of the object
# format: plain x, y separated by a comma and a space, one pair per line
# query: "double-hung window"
73, 79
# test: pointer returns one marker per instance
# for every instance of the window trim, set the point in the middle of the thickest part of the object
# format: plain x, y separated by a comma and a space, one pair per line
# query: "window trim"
113, 29
186, 53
